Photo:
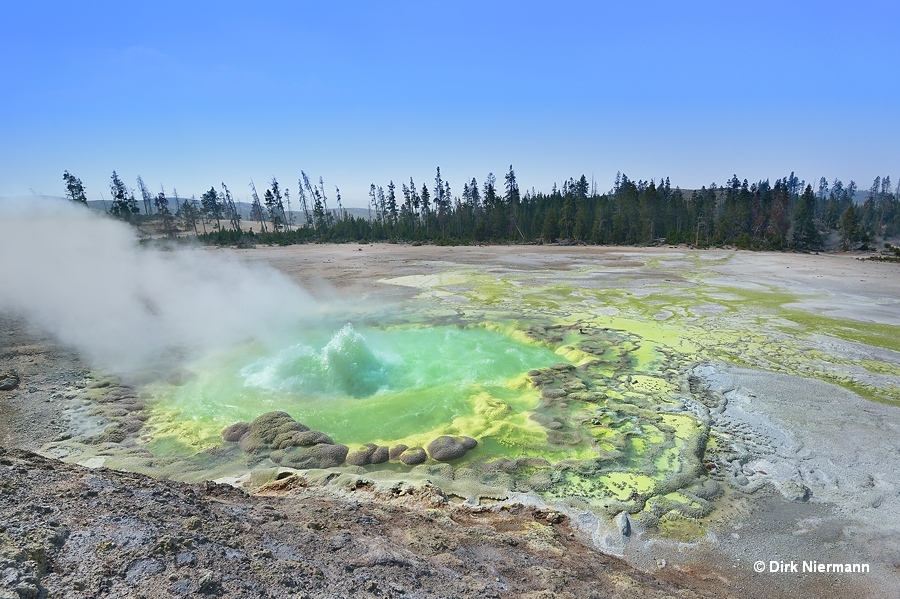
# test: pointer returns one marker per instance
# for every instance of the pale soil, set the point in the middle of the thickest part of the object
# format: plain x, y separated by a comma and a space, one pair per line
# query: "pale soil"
844, 449
851, 288
31, 414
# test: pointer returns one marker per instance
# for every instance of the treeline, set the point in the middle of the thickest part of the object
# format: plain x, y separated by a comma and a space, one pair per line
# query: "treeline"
786, 214
217, 209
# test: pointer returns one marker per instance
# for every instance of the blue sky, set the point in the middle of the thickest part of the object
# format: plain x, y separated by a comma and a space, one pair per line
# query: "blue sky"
191, 94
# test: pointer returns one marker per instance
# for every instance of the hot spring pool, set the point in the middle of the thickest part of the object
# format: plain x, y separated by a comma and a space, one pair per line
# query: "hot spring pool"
380, 385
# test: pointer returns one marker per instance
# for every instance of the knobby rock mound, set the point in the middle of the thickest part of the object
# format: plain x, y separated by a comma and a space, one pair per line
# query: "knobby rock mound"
413, 456
233, 433
446, 448
285, 441
395, 451
277, 436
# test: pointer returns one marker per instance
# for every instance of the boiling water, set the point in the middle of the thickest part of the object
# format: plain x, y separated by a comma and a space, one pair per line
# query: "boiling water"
368, 385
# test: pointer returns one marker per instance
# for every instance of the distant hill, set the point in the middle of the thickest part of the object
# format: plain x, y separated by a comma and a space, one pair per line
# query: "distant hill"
98, 205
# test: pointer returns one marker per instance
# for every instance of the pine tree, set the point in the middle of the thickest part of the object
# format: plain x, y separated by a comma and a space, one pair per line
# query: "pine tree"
289, 216
582, 227
189, 214
567, 215
74, 188
512, 199
512, 188
493, 207
407, 212
231, 211
211, 207
476, 196
321, 192
256, 210
416, 203
442, 201
320, 219
146, 196
165, 215
392, 203
272, 209
123, 205
341, 214
849, 227
425, 200
806, 235
779, 219
275, 206
302, 187
550, 230
379, 197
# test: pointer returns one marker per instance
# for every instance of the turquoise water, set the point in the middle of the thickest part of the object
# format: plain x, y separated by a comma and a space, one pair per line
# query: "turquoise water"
365, 385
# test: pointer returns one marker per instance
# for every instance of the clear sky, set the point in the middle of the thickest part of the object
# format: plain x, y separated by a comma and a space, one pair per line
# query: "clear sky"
189, 94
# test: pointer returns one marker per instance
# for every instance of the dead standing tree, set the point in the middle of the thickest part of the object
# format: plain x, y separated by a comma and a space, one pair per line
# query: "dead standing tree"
256, 210
230, 209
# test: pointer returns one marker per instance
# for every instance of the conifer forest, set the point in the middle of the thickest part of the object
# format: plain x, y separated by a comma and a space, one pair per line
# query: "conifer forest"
788, 214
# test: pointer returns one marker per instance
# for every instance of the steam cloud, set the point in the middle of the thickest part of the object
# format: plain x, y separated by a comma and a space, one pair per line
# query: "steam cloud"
84, 278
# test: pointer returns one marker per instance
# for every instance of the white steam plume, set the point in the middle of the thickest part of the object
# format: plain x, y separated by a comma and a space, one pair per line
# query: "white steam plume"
83, 277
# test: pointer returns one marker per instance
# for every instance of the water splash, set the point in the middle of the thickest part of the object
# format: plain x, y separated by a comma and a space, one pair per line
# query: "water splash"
345, 366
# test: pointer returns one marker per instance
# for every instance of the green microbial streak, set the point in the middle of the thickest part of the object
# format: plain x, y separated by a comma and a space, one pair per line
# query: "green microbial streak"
868, 333
390, 385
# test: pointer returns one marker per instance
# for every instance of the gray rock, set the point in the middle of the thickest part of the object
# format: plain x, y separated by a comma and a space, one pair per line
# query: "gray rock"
185, 558
623, 523
233, 433
267, 430
309, 438
323, 455
141, 569
363, 456
208, 584
27, 590
549, 393
396, 450
380, 455
413, 456
794, 491
9, 380
446, 448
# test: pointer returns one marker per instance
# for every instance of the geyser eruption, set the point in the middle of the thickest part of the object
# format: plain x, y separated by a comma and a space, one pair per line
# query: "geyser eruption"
352, 366
84, 278
345, 366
